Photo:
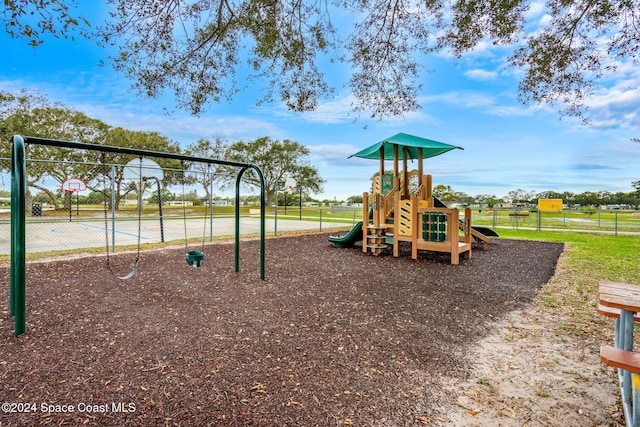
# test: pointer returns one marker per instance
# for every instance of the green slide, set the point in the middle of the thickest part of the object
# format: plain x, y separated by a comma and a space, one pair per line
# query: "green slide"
485, 231
489, 232
348, 239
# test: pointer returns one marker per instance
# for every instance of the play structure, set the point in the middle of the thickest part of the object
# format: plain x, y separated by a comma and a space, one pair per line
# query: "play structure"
480, 234
139, 171
402, 208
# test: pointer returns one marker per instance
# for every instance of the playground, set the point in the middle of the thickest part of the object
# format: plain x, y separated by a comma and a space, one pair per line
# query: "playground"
330, 337
402, 209
325, 336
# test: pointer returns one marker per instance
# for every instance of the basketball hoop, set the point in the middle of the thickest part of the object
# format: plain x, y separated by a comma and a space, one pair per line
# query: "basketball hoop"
289, 184
74, 185
138, 170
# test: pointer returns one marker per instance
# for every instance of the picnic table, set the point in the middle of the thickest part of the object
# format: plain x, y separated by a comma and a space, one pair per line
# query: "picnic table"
622, 301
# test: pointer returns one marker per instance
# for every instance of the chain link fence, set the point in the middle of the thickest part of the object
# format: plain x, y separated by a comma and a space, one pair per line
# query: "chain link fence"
615, 221
77, 206
72, 205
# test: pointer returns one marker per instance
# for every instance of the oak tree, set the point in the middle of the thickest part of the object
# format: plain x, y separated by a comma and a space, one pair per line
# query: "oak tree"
201, 49
206, 174
31, 114
277, 160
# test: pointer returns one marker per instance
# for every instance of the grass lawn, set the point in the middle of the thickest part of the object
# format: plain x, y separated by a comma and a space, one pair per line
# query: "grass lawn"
589, 258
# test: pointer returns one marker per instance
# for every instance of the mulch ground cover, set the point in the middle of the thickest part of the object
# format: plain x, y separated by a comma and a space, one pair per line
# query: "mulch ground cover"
331, 337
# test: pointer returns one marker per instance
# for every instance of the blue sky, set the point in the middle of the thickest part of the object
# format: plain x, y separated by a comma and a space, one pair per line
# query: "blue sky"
471, 103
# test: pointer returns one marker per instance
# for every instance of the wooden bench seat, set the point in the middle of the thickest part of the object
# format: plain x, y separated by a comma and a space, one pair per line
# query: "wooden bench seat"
617, 299
618, 358
614, 312
620, 295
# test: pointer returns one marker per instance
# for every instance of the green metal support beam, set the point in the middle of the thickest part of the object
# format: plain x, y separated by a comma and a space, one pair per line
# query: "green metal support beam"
17, 298
18, 291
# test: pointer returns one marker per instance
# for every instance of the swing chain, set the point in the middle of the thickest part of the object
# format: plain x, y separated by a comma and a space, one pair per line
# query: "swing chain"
194, 258
136, 266
184, 209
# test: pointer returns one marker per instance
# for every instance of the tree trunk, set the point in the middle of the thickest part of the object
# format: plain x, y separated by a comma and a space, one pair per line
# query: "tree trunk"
28, 203
270, 195
52, 196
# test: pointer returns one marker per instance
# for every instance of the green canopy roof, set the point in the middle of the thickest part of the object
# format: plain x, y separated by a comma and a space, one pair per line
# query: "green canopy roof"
429, 147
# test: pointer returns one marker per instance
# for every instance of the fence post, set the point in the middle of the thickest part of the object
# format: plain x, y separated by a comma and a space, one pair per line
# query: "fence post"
320, 218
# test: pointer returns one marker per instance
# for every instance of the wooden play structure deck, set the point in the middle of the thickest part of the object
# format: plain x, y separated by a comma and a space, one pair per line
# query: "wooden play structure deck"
399, 216
401, 207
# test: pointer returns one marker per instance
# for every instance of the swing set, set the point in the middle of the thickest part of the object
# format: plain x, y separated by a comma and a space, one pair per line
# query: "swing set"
195, 258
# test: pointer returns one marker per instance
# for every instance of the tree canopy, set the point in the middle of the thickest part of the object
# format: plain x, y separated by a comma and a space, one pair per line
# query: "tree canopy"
207, 174
29, 113
199, 48
277, 160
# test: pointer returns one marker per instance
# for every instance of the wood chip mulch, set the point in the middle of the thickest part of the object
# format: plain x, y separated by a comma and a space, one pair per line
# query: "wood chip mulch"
331, 337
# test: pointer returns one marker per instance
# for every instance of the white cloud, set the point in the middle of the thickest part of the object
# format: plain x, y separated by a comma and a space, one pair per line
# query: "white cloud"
622, 95
336, 111
331, 112
340, 111
332, 153
483, 48
183, 128
536, 8
465, 99
501, 105
545, 20
11, 86
482, 75
513, 111
617, 103
119, 108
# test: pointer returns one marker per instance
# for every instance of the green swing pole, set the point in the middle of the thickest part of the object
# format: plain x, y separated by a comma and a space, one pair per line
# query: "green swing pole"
18, 279
236, 258
13, 242
262, 219
136, 152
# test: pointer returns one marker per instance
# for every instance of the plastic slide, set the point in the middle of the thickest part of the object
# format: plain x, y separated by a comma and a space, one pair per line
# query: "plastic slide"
482, 231
348, 239
489, 232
